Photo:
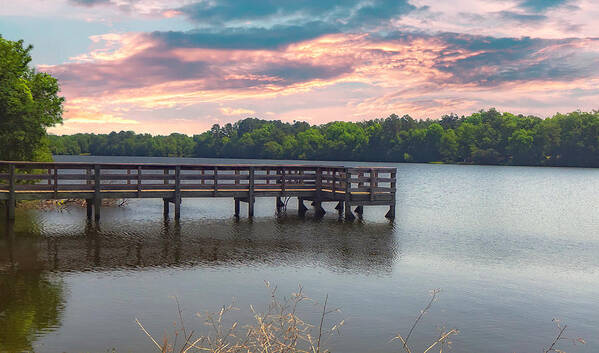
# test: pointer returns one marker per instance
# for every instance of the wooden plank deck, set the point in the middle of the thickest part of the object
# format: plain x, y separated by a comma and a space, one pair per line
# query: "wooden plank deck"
349, 186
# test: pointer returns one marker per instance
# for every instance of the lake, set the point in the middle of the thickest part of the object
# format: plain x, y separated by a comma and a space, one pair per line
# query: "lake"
510, 248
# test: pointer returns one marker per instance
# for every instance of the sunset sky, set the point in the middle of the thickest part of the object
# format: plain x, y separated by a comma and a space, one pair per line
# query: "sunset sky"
163, 66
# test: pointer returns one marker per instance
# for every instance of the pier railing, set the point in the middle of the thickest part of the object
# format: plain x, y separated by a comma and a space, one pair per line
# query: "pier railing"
38, 180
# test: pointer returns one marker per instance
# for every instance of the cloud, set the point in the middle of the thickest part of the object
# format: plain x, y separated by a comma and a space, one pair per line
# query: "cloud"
89, 3
221, 12
236, 111
166, 76
542, 5
95, 118
244, 38
522, 17
495, 61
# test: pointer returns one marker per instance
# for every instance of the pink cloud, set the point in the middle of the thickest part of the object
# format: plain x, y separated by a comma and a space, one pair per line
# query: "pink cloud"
130, 75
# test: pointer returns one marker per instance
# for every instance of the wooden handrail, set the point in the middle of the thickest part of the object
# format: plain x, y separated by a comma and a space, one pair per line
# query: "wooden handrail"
118, 176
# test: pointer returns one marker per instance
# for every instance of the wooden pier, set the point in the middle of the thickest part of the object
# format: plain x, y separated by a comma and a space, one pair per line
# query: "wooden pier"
346, 186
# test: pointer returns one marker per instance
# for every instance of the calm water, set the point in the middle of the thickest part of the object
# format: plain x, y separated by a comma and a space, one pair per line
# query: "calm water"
511, 248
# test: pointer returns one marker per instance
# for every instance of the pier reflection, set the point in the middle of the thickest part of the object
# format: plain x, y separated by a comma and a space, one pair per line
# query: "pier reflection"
33, 259
360, 248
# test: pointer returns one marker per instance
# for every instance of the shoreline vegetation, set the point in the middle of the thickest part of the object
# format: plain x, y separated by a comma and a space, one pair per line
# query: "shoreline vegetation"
279, 328
485, 137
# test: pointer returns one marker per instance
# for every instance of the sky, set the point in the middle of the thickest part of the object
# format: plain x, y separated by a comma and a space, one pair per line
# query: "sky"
163, 66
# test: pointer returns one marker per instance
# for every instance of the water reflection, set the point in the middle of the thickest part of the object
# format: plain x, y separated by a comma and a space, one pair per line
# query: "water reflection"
361, 248
31, 300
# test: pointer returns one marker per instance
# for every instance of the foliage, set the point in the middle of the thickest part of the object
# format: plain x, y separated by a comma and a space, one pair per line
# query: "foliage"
29, 103
485, 137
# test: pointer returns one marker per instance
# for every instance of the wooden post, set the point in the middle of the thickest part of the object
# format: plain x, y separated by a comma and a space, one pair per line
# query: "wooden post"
282, 180
301, 208
97, 196
391, 213
372, 184
251, 194
49, 176
318, 210
349, 216
165, 207
318, 192
236, 176
55, 182
279, 204
339, 208
177, 192
215, 181
138, 181
237, 202
359, 210
334, 182
89, 208
128, 174
12, 202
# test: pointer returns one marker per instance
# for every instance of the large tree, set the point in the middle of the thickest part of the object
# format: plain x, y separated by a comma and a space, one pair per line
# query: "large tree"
29, 104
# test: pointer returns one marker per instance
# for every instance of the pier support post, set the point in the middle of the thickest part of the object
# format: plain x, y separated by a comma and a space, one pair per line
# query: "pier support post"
279, 204
237, 202
89, 208
359, 210
97, 197
177, 208
10, 209
391, 213
301, 208
319, 212
177, 193
251, 194
339, 208
165, 207
349, 216
251, 207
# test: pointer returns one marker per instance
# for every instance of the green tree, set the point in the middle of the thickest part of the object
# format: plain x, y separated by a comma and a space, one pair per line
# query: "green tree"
29, 103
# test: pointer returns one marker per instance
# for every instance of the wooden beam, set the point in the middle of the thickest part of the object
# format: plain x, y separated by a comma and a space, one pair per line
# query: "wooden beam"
349, 216
251, 193
177, 192
97, 190
11, 203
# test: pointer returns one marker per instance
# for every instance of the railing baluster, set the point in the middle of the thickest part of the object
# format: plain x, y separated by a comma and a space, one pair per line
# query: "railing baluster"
177, 192
372, 184
215, 180
251, 193
55, 182
97, 189
11, 203
138, 181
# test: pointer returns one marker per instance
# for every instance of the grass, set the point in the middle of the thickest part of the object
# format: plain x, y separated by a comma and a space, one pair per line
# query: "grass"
279, 329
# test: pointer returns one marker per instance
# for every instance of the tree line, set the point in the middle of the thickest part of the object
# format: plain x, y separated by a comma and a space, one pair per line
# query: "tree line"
485, 137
